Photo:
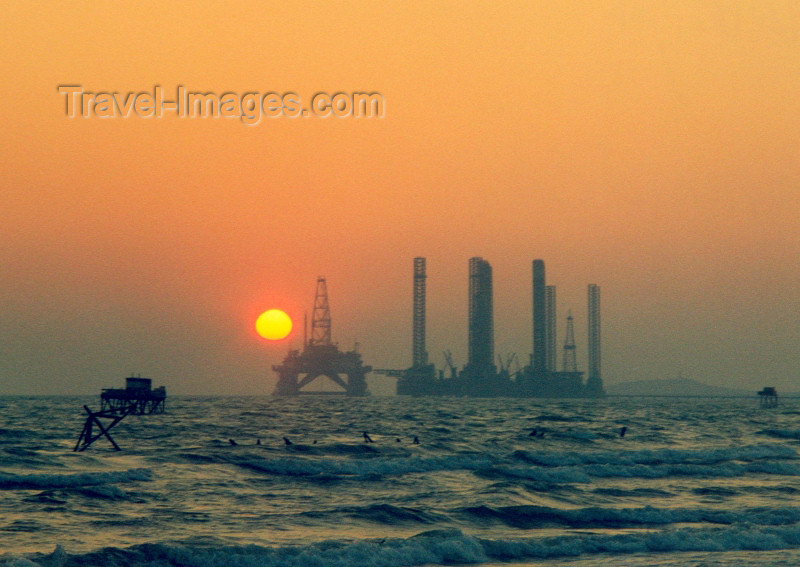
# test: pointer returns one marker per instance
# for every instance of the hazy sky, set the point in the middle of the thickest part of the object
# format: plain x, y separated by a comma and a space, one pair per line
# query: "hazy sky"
652, 148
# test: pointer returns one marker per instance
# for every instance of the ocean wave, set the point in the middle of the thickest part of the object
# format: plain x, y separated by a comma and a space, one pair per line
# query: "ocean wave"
382, 514
341, 449
718, 491
569, 475
657, 456
438, 547
363, 467
575, 435
15, 434
19, 456
634, 492
527, 516
782, 433
584, 474
76, 480
555, 417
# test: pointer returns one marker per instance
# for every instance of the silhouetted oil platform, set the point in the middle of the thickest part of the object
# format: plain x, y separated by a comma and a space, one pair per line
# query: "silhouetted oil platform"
321, 357
768, 397
480, 377
137, 398
139, 393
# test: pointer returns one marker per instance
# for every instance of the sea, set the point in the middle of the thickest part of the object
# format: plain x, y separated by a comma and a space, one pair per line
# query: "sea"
492, 482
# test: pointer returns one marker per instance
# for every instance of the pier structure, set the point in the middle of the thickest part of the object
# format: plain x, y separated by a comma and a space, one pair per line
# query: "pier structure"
321, 357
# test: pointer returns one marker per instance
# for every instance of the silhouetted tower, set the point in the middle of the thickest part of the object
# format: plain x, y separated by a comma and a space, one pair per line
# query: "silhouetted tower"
550, 319
321, 317
594, 381
321, 358
570, 364
481, 317
539, 318
419, 353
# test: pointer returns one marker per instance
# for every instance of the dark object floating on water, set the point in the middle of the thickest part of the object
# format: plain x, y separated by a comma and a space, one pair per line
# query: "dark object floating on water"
622, 431
286, 441
367, 438
232, 442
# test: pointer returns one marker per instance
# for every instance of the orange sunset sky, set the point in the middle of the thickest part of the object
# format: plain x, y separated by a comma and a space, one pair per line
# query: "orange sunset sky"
652, 148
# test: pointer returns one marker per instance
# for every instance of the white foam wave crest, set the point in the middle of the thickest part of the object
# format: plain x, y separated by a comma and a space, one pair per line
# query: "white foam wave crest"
440, 547
23, 481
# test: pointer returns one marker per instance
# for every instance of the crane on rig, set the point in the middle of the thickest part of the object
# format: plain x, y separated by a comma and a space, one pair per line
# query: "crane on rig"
448, 360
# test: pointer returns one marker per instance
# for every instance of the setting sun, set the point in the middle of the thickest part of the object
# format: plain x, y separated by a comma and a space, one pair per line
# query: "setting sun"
273, 324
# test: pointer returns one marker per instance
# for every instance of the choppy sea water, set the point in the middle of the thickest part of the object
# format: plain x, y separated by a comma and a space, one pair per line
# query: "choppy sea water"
693, 482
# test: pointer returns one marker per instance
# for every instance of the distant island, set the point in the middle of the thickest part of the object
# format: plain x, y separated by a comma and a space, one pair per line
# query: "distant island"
679, 387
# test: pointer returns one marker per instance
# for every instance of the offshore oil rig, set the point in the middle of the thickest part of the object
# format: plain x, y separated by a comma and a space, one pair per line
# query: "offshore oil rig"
480, 377
321, 357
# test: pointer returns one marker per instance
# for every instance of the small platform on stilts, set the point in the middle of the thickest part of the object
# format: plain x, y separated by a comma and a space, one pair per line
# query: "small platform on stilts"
768, 397
138, 392
137, 398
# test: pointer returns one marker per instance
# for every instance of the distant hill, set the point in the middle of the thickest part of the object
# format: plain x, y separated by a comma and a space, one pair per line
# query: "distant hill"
675, 387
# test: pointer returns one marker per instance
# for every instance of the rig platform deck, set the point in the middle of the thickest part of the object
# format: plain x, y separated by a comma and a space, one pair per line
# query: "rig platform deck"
138, 392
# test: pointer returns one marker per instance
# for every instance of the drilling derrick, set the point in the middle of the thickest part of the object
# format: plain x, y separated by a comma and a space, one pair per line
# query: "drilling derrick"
481, 318
321, 317
594, 382
321, 358
417, 380
479, 377
550, 322
570, 364
539, 358
420, 355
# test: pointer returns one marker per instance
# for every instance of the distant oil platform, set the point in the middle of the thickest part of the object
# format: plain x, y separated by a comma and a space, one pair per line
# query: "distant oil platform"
480, 377
768, 397
321, 357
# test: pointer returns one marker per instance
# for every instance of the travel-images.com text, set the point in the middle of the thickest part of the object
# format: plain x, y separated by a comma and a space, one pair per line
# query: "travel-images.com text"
250, 107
